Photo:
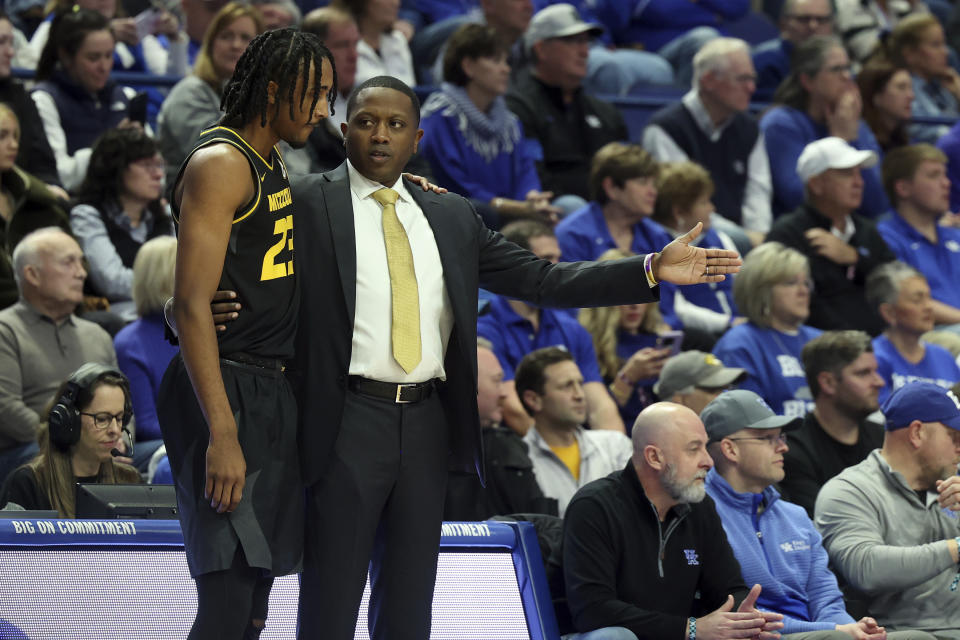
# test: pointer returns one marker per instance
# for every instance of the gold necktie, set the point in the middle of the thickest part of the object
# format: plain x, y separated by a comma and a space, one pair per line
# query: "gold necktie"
405, 299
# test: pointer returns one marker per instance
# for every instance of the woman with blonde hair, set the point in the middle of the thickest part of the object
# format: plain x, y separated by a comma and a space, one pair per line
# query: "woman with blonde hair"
773, 291
77, 442
142, 351
194, 102
26, 203
625, 339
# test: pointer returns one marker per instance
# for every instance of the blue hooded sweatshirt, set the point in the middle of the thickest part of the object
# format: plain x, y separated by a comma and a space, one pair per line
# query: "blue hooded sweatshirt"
779, 548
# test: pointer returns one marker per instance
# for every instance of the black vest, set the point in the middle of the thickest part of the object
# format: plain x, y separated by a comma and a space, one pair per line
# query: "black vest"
126, 246
258, 264
84, 116
726, 159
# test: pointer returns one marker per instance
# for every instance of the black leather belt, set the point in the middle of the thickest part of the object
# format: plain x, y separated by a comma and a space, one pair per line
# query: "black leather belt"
246, 359
392, 391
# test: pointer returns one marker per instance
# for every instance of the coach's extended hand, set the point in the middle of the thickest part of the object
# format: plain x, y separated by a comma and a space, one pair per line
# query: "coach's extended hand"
679, 263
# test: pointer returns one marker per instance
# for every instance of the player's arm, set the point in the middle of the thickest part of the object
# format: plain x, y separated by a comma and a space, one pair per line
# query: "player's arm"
215, 184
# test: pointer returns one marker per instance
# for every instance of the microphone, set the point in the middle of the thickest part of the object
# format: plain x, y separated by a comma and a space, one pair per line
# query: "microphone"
116, 453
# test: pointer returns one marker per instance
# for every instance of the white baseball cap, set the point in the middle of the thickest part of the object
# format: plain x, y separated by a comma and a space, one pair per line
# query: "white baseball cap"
557, 21
831, 153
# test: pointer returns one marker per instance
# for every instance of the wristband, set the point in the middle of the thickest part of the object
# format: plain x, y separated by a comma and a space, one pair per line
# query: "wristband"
619, 396
624, 379
692, 635
648, 270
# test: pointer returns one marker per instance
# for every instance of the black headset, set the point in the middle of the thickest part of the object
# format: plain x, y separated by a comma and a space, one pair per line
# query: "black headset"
64, 420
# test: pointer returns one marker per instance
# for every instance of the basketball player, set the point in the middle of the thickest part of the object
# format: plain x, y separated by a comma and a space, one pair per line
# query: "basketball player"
227, 413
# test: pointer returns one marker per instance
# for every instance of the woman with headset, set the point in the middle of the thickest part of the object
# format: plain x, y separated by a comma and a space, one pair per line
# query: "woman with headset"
76, 443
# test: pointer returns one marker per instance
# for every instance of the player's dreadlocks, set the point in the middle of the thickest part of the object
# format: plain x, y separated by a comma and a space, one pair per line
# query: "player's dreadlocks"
281, 55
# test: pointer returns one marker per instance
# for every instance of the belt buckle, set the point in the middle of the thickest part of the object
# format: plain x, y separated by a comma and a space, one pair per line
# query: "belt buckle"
400, 388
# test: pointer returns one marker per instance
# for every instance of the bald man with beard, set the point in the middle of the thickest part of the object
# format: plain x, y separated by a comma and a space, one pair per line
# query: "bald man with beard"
640, 544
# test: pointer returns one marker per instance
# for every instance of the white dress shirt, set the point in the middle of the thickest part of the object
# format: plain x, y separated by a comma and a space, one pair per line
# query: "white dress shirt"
756, 212
372, 355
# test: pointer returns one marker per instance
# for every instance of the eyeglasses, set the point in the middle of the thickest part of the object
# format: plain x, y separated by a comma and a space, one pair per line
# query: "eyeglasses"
103, 419
772, 440
149, 164
812, 20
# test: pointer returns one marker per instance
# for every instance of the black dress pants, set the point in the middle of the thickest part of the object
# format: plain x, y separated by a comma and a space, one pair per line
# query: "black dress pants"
377, 505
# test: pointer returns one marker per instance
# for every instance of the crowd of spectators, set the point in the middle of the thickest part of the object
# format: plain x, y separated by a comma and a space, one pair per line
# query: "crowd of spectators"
824, 153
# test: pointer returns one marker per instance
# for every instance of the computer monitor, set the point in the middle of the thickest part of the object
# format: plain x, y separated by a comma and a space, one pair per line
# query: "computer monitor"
127, 501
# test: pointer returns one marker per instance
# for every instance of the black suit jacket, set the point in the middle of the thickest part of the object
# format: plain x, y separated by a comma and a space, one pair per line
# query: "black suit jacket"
472, 256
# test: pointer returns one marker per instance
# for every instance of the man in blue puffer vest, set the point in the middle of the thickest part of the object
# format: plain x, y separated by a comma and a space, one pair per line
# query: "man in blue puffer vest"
774, 540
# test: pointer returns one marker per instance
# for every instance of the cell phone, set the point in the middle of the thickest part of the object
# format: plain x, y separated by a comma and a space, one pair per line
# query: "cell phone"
137, 109
670, 340
146, 22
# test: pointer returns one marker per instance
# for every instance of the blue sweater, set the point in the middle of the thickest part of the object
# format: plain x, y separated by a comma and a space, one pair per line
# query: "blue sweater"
786, 131
781, 550
771, 59
459, 167
143, 355
772, 360
937, 366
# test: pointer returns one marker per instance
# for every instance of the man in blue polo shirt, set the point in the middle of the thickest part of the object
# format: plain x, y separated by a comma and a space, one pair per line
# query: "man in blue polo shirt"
915, 179
516, 328
623, 185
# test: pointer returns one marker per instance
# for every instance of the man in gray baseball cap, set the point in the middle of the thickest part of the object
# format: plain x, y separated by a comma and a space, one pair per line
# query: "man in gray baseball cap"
694, 378
774, 541
743, 410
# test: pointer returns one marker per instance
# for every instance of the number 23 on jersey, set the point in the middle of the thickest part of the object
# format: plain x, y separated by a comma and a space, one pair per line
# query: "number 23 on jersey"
272, 269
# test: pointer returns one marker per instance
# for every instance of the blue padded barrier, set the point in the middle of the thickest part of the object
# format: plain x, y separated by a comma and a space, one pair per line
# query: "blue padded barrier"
97, 579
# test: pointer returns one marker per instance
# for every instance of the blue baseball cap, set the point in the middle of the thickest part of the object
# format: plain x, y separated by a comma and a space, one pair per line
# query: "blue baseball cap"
923, 401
